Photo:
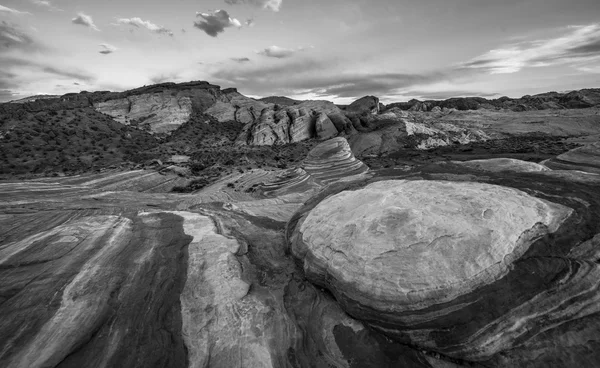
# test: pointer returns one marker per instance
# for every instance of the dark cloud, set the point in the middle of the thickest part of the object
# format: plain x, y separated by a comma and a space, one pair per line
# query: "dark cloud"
162, 78
13, 62
107, 49
84, 20
241, 60
11, 37
321, 78
74, 74
589, 48
216, 22
273, 5
7, 95
139, 23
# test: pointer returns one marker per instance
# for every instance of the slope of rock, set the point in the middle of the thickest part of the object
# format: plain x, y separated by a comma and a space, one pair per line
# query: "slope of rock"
503, 164
586, 158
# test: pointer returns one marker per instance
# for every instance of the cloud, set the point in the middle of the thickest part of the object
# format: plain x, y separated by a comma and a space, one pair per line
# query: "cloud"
10, 63
241, 60
6, 10
249, 22
444, 95
107, 49
321, 78
13, 38
139, 23
276, 52
577, 46
47, 4
216, 22
273, 5
84, 20
7, 95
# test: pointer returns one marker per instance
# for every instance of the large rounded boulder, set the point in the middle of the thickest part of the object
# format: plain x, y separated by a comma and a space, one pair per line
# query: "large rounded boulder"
444, 265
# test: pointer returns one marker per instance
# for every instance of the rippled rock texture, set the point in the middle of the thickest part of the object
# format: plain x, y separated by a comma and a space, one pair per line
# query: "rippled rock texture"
445, 266
477, 268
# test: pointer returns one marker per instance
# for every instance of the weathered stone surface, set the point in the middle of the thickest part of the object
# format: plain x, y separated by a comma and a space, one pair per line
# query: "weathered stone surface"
110, 269
386, 266
161, 112
235, 106
403, 245
295, 123
324, 127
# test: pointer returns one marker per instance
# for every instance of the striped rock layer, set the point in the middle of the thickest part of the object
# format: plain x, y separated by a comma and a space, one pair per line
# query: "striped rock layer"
333, 161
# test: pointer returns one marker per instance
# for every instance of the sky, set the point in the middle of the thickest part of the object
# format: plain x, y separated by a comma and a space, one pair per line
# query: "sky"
337, 50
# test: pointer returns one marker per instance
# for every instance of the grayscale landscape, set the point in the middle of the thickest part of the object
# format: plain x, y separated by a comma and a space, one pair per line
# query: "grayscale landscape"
271, 206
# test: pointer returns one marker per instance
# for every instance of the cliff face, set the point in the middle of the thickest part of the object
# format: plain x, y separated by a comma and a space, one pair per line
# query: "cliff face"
157, 112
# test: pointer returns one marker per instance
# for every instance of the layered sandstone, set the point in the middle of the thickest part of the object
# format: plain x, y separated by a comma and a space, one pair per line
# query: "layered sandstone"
333, 161
159, 112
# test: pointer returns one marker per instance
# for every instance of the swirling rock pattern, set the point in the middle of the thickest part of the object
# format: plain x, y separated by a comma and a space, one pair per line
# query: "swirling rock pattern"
435, 264
110, 269
333, 161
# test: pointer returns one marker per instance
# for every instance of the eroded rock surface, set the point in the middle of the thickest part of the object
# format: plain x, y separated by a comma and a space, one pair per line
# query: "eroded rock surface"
161, 112
452, 267
443, 264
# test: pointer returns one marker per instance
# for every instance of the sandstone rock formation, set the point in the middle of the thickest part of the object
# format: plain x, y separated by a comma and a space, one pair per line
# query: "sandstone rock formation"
289, 124
333, 161
161, 112
367, 104
432, 263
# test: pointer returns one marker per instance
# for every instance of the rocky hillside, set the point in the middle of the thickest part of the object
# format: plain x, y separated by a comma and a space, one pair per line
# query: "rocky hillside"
545, 101
214, 128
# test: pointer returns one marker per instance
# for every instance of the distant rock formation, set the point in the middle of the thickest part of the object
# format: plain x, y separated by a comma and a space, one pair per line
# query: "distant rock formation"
289, 124
367, 104
545, 101
160, 112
